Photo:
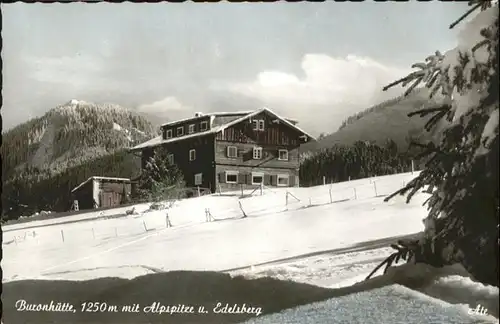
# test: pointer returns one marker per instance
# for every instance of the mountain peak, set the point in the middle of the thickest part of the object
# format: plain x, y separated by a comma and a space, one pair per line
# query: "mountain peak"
73, 133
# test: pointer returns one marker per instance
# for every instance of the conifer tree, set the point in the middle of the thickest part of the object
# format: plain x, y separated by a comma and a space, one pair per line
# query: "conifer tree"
461, 168
160, 179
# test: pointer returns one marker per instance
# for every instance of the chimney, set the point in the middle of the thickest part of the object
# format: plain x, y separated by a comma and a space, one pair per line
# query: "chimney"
198, 114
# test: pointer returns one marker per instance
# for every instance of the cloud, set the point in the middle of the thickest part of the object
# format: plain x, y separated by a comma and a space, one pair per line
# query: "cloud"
326, 80
330, 87
69, 71
166, 108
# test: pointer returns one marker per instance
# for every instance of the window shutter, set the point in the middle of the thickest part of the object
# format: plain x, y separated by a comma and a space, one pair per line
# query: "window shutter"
261, 124
274, 180
222, 177
249, 178
267, 180
291, 181
241, 178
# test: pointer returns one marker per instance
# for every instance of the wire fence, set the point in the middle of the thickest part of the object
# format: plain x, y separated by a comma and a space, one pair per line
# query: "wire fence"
206, 209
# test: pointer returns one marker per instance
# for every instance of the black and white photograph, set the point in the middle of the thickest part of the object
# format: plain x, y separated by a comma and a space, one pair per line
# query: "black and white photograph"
250, 162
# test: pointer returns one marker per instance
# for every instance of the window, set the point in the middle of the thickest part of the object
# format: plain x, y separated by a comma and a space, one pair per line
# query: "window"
192, 155
283, 155
168, 134
231, 176
284, 138
198, 179
170, 159
257, 153
257, 178
191, 129
180, 131
282, 180
203, 126
258, 124
232, 152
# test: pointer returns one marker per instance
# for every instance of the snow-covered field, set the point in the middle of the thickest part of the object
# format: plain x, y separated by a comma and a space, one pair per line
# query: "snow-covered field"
286, 236
140, 244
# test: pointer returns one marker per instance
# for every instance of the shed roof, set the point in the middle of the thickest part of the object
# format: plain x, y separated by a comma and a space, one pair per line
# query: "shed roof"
100, 178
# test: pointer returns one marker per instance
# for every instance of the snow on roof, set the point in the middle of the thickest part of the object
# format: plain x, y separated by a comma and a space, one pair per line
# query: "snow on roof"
265, 109
159, 141
99, 178
245, 115
207, 115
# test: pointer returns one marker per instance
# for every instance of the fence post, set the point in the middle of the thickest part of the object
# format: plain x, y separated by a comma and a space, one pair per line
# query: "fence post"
15, 239
261, 188
93, 233
286, 199
330, 193
375, 187
198, 188
404, 184
241, 190
412, 166
62, 235
310, 204
144, 223
241, 207
167, 221
349, 178
116, 232
220, 189
324, 180
355, 194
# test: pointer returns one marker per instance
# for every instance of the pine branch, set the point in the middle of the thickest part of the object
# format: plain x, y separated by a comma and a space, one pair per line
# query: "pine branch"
429, 72
426, 111
479, 5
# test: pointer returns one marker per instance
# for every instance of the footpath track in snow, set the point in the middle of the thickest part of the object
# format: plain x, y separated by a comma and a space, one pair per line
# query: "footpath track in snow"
359, 247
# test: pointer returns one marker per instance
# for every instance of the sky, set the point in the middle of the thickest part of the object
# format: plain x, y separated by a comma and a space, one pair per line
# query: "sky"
315, 62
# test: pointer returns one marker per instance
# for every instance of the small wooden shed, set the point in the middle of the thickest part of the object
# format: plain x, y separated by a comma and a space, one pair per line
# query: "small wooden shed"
101, 192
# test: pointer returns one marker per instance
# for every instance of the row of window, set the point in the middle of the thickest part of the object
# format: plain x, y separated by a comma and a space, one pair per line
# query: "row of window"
169, 133
258, 125
257, 178
232, 152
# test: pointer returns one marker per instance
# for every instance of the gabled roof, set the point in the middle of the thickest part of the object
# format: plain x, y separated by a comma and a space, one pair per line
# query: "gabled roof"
269, 111
244, 116
216, 114
98, 178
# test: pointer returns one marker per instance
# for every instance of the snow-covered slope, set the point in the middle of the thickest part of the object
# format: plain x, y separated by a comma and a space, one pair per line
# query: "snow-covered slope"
299, 241
272, 230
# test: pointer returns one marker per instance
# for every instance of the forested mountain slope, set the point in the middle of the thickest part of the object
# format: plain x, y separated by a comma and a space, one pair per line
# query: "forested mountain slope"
71, 134
44, 158
386, 121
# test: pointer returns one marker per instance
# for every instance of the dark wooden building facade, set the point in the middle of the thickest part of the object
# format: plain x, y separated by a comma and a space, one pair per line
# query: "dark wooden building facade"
223, 151
98, 192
